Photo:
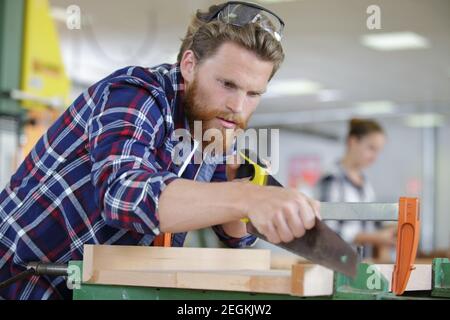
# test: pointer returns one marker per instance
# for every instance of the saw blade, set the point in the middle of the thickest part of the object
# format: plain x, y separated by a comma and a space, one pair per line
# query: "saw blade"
321, 245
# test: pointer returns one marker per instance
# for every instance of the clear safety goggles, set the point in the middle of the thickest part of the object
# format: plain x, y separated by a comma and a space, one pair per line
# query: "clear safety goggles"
243, 13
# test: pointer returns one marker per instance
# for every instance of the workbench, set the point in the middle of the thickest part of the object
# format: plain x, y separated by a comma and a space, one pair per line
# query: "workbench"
343, 287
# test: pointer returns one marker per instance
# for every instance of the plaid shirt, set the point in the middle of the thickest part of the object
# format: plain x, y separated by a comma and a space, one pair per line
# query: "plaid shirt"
95, 178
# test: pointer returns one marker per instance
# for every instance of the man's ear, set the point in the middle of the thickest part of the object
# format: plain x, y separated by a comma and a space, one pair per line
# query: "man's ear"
187, 66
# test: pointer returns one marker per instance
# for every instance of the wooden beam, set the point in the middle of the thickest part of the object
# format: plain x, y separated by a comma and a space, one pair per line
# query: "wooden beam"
312, 280
419, 280
285, 261
131, 258
309, 280
246, 270
269, 281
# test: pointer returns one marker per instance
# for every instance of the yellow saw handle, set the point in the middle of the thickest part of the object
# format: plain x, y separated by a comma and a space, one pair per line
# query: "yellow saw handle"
252, 168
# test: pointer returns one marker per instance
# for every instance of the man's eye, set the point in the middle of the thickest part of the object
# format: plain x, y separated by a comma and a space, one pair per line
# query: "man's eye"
227, 84
254, 94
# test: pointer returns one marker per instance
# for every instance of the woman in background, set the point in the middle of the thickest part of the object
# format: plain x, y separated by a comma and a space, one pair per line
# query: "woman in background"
346, 182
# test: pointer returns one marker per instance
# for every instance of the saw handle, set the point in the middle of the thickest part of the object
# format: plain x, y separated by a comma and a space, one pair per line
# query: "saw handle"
256, 171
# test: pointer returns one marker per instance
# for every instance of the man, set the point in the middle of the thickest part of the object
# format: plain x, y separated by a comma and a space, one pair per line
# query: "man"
103, 173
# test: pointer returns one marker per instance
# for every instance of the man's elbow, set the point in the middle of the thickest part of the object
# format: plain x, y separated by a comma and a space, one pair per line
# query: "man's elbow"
163, 228
165, 225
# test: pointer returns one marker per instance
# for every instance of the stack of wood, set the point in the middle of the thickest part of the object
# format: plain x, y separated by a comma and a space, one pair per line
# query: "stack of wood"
245, 270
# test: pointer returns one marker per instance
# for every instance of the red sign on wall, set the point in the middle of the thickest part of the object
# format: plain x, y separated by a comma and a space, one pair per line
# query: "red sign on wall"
304, 171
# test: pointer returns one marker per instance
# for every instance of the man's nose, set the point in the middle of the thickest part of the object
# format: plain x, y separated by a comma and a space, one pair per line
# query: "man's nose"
236, 103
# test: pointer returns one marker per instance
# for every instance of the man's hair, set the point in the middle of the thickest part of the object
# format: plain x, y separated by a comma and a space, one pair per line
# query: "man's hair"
204, 39
360, 128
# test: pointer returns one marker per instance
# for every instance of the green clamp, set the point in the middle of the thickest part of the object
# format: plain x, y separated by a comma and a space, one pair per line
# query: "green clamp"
368, 284
441, 278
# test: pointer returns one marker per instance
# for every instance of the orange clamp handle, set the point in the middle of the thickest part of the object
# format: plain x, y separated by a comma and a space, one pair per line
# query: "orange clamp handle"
407, 242
163, 240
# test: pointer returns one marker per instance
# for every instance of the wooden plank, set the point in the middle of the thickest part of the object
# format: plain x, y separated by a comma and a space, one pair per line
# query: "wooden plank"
88, 263
154, 278
306, 280
246, 270
285, 261
419, 280
104, 257
313, 280
270, 281
310, 280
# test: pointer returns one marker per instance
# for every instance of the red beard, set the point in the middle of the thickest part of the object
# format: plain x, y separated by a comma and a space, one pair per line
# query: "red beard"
195, 111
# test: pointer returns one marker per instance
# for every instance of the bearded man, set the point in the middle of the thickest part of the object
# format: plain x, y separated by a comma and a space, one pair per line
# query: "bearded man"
104, 173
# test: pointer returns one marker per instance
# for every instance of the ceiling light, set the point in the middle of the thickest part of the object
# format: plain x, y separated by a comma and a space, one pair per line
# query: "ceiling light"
371, 108
293, 87
425, 120
329, 95
394, 41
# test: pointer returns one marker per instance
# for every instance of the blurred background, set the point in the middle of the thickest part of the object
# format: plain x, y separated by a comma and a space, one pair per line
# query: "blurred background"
380, 59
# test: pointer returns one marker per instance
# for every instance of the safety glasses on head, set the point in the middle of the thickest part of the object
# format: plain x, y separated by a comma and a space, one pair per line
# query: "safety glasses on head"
243, 13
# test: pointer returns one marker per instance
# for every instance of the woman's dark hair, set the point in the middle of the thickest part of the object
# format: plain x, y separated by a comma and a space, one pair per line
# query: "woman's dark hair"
360, 128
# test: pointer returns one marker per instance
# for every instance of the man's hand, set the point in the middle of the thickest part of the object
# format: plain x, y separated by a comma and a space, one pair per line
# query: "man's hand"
281, 214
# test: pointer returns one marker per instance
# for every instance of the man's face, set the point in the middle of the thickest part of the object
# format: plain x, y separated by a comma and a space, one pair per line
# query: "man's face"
225, 89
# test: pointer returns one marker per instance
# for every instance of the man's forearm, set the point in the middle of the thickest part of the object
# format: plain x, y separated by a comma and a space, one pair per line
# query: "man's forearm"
280, 214
187, 205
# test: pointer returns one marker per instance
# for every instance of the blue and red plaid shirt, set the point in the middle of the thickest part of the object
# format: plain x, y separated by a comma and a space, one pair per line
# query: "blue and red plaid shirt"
95, 178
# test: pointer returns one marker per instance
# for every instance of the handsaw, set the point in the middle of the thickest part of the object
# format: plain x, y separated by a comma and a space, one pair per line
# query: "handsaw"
323, 246
320, 244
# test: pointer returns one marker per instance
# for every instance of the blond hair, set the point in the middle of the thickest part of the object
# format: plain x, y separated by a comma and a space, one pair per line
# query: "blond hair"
204, 39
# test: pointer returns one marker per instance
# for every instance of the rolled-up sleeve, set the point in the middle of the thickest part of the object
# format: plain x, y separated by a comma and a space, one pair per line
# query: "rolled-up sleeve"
126, 128
244, 242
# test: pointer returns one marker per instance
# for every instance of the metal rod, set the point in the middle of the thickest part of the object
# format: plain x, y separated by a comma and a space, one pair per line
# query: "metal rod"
359, 211
49, 269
